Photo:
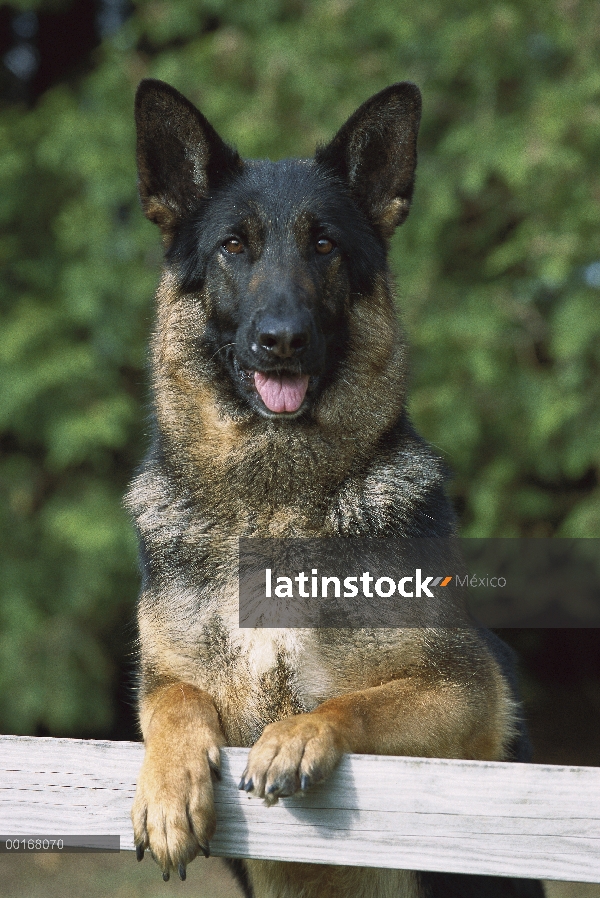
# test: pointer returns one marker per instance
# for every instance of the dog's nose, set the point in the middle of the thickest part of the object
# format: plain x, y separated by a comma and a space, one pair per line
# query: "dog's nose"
283, 338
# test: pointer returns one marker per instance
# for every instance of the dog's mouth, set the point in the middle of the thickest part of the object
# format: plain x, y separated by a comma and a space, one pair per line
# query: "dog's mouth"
275, 393
281, 393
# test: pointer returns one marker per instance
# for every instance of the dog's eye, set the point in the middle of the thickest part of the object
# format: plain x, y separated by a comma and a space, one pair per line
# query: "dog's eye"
232, 245
324, 246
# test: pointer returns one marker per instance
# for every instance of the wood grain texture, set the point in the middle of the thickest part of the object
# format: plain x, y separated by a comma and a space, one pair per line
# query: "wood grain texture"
457, 816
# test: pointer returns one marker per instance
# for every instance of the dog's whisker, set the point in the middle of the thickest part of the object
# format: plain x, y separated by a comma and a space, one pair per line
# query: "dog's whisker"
220, 349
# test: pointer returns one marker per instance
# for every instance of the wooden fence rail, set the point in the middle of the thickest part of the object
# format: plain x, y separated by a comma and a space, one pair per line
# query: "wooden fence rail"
456, 816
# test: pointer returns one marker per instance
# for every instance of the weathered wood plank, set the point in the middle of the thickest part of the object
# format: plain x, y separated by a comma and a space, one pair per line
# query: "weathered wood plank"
457, 816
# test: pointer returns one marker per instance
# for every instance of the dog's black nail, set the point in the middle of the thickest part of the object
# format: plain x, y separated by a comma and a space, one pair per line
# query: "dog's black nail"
216, 773
139, 851
181, 871
272, 789
205, 849
304, 782
166, 875
249, 786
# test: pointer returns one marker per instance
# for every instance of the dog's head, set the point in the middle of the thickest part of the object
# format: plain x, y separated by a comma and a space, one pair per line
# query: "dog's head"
276, 253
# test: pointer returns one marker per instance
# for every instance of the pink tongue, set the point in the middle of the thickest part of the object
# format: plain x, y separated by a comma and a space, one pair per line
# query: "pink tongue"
281, 392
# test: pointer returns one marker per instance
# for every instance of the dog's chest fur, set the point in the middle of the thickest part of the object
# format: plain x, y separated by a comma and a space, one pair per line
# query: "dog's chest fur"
189, 624
257, 676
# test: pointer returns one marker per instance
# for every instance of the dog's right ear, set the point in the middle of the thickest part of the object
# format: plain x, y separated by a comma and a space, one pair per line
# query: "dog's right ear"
375, 153
180, 156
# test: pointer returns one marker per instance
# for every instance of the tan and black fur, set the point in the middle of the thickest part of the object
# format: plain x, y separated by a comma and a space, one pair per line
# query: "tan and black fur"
281, 268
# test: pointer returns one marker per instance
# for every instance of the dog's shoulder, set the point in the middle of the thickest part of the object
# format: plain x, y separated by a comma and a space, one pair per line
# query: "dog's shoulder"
401, 492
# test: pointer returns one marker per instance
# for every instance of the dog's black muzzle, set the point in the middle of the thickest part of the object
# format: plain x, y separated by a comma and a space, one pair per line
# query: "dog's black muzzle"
284, 340
280, 353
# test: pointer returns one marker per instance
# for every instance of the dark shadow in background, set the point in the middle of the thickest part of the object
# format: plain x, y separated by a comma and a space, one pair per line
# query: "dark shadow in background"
560, 676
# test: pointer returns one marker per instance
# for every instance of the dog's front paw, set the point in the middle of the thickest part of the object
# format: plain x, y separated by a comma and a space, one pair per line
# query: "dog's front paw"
292, 755
173, 813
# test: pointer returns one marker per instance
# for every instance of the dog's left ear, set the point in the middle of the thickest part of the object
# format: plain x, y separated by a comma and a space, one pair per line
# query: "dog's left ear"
375, 152
180, 156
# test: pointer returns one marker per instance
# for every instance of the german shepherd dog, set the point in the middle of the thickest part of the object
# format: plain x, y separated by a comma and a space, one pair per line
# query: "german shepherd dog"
278, 396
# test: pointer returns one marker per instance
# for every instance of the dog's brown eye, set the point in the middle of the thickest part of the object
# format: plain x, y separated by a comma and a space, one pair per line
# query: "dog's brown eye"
233, 245
324, 246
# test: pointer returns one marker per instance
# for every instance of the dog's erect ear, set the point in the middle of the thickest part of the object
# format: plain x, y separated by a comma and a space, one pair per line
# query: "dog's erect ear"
180, 156
375, 152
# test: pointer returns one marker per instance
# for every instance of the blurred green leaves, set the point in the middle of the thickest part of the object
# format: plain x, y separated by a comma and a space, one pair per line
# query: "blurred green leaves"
495, 273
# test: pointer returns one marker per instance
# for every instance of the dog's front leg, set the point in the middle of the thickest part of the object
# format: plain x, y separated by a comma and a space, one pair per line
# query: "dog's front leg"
416, 716
173, 813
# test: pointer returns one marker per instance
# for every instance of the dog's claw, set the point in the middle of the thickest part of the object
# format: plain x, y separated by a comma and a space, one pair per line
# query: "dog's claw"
304, 782
249, 786
166, 875
205, 849
181, 871
139, 851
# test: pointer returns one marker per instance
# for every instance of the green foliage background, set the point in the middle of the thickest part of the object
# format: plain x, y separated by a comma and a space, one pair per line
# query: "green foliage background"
497, 268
